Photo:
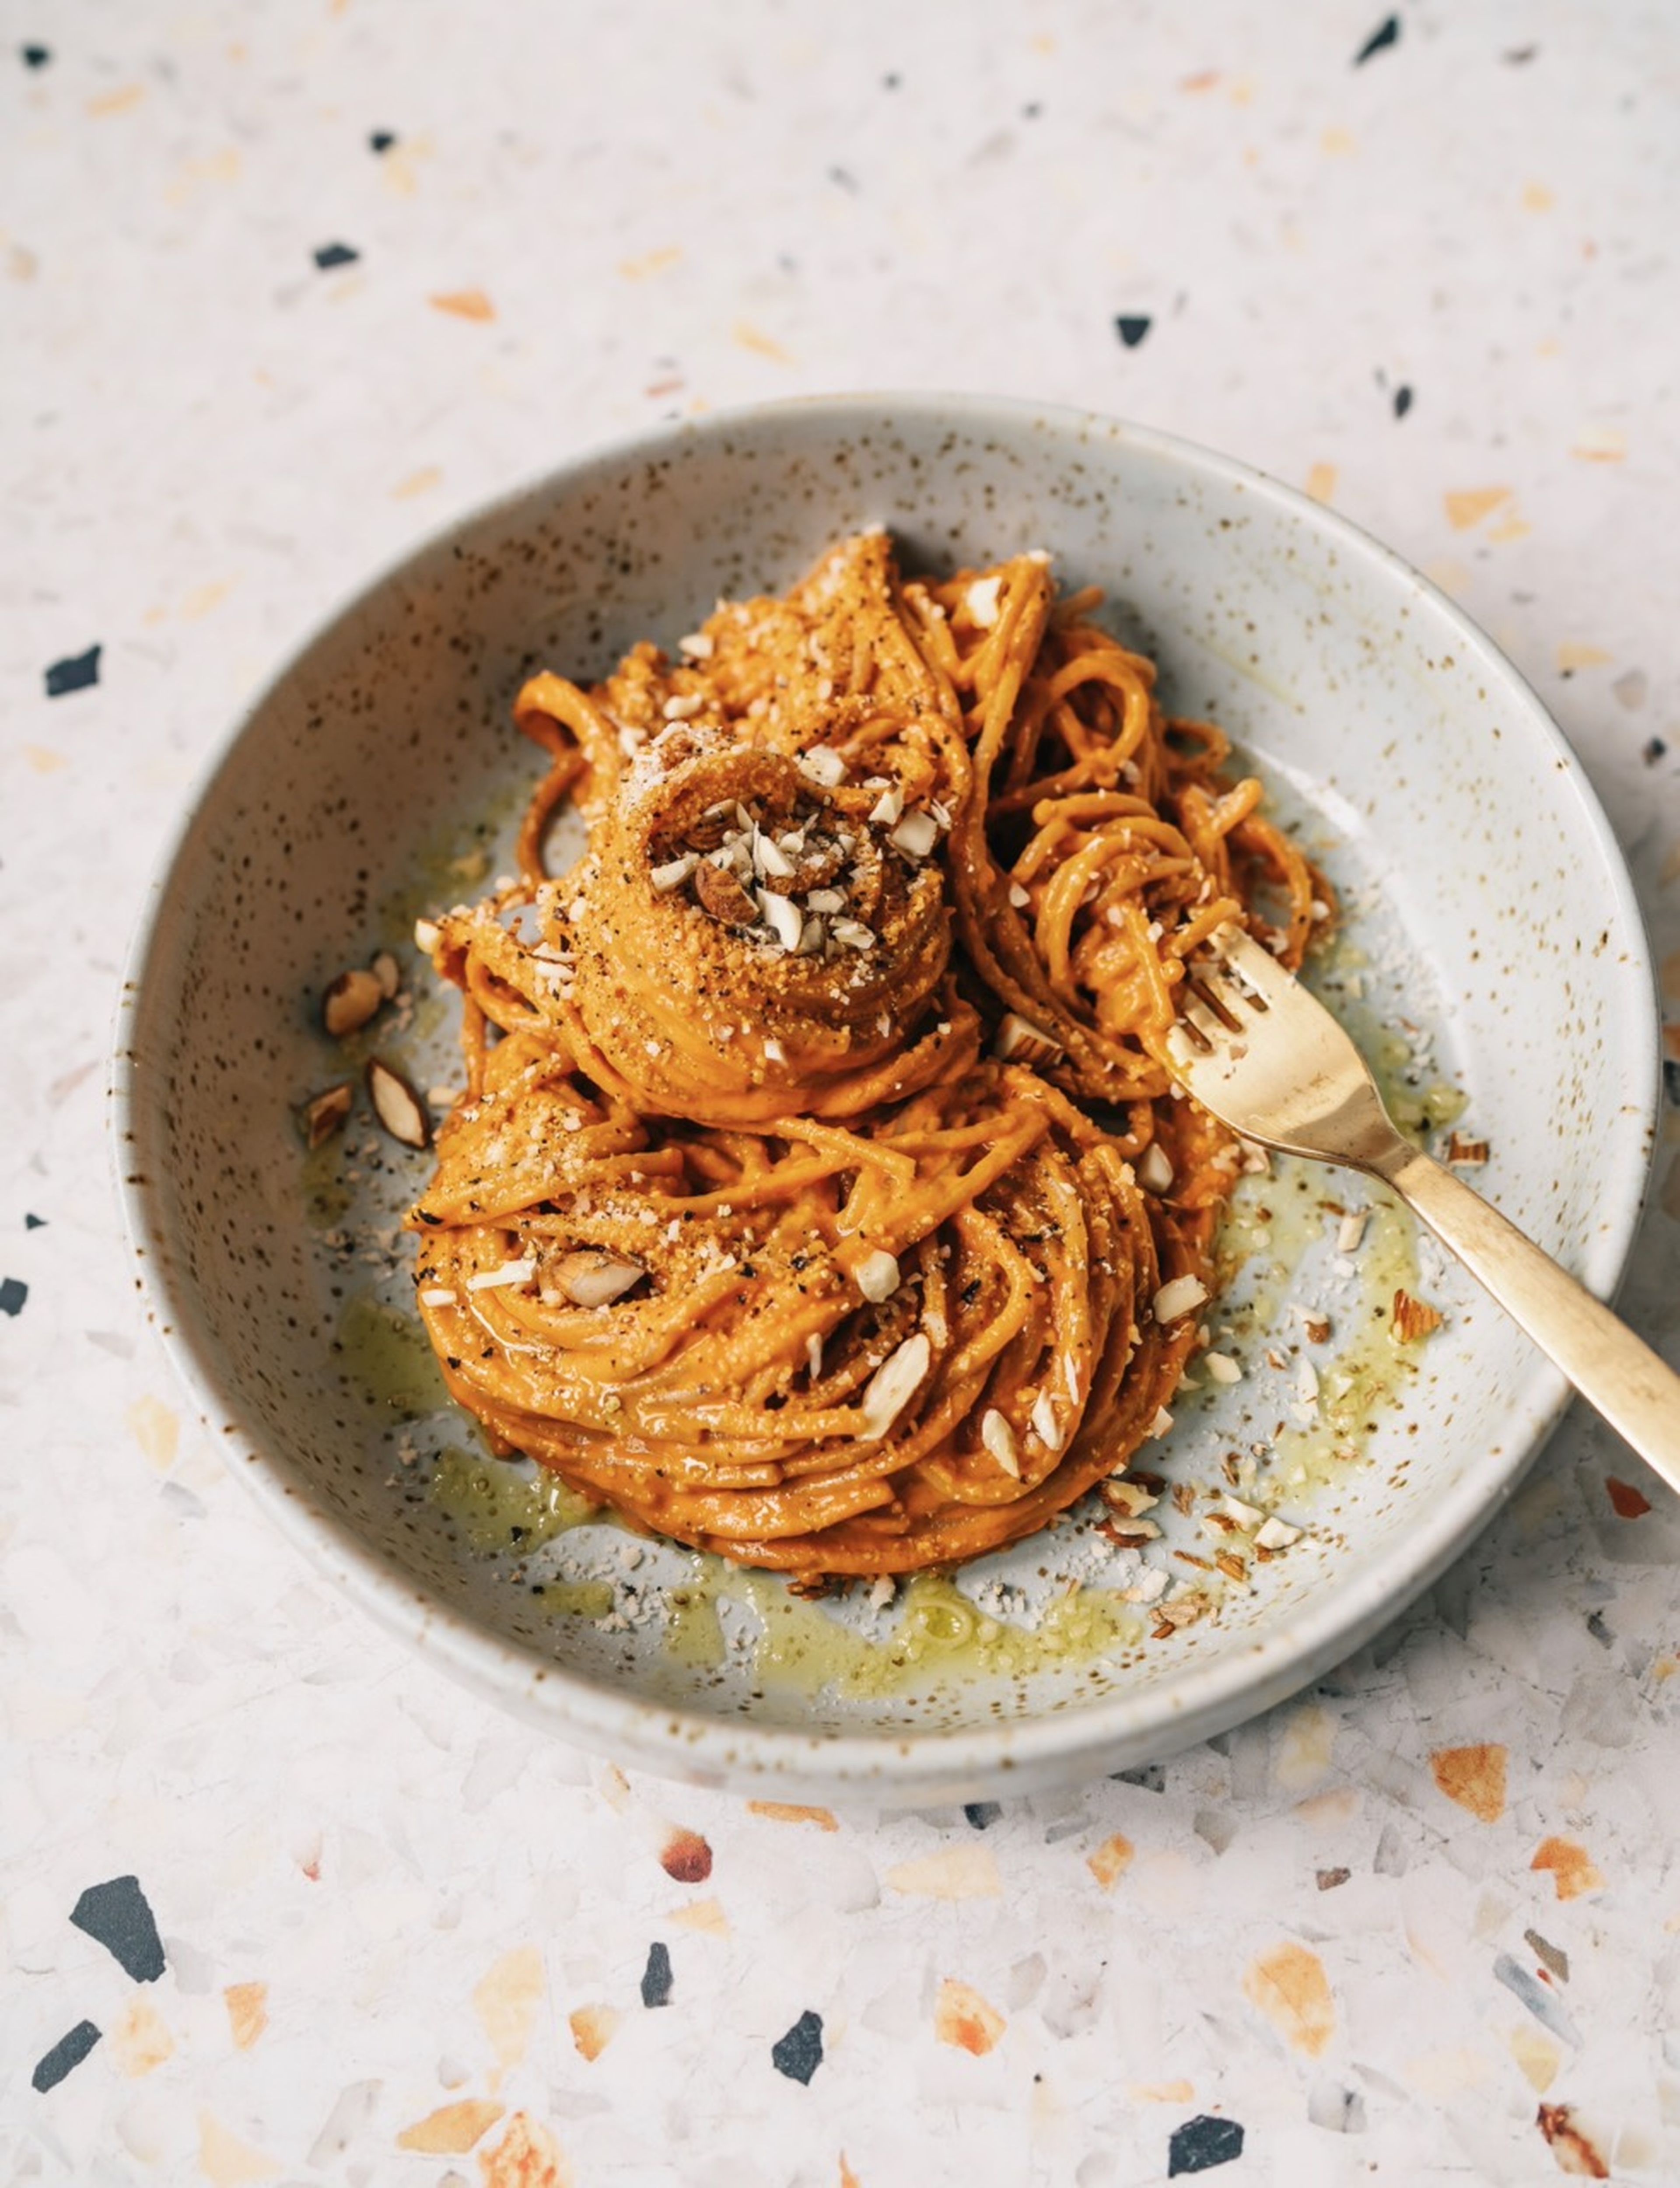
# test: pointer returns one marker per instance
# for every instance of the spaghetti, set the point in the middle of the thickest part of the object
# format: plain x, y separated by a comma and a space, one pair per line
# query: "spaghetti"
819, 1195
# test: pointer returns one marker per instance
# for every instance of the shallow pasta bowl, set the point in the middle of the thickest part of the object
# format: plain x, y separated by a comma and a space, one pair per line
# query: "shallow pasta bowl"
378, 776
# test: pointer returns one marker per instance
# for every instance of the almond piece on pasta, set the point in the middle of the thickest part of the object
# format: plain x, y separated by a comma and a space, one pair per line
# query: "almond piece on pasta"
894, 1383
591, 1277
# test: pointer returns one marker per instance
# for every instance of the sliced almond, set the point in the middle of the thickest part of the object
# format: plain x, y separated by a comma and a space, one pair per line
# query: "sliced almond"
722, 895
999, 1438
398, 1107
1045, 1426
1154, 1169
322, 1115
877, 1275
784, 918
426, 936
1019, 1040
822, 765
981, 600
350, 1002
1180, 1296
916, 835
769, 857
591, 1277
388, 973
698, 646
505, 1276
674, 872
1131, 1531
1277, 1533
854, 933
894, 1384
1129, 1498
888, 809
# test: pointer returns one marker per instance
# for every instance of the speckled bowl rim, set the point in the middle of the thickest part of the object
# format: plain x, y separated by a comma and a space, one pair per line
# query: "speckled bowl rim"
912, 1765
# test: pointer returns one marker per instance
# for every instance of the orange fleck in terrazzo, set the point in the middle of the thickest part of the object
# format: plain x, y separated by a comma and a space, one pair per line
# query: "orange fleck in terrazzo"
754, 340
790, 1811
962, 2018
593, 2029
453, 2129
140, 2040
1110, 1860
526, 2156
1474, 1777
507, 2000
463, 304
706, 1914
1469, 504
225, 2161
1289, 1987
247, 2006
959, 1872
1572, 1868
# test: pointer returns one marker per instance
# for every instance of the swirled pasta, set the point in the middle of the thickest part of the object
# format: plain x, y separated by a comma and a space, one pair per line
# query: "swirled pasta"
819, 1195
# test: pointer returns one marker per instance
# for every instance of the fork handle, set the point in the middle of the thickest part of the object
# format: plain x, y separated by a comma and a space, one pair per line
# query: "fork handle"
1636, 1393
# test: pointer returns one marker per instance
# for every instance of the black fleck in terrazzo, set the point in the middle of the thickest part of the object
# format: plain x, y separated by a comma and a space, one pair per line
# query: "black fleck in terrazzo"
77, 671
65, 2056
1386, 34
329, 255
656, 1979
14, 1293
1131, 327
1203, 2143
118, 1916
798, 2054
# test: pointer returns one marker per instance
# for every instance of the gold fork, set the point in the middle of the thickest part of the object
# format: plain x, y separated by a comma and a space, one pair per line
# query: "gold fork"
1268, 1059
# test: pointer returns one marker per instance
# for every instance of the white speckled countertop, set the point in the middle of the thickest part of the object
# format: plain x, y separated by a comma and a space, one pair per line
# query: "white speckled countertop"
284, 287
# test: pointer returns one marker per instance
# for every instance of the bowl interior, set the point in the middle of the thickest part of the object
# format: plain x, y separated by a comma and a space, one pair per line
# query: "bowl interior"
380, 775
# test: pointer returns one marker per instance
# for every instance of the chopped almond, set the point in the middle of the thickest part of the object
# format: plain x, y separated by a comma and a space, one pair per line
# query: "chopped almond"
1414, 1318
591, 1277
350, 1002
395, 1104
722, 895
324, 1113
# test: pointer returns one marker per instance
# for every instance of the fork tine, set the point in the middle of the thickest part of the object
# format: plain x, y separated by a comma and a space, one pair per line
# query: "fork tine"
1212, 1029
1257, 966
1226, 993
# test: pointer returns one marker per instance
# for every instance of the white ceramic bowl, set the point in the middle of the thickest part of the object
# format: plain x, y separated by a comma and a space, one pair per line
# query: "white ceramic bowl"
1485, 888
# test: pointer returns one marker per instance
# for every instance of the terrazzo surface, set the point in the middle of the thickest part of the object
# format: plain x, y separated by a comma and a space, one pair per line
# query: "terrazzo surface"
283, 289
